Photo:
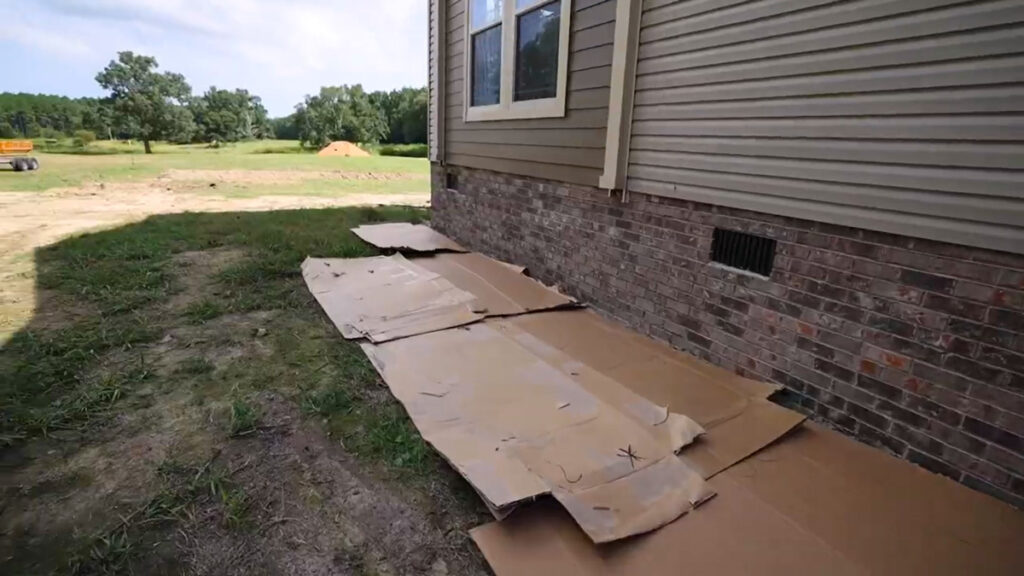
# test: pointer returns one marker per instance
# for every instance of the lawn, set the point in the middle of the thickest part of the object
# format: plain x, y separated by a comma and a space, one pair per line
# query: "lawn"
179, 404
117, 161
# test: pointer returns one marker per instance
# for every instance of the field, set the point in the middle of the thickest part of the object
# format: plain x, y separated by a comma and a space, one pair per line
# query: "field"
119, 162
174, 401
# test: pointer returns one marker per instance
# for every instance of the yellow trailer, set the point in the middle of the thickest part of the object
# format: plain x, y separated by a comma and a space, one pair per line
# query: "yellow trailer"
15, 153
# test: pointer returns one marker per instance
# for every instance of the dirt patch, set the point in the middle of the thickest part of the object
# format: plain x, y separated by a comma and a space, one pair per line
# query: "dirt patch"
277, 176
35, 219
196, 272
219, 341
313, 512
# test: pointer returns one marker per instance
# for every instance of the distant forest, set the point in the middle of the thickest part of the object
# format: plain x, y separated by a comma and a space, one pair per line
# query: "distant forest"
164, 108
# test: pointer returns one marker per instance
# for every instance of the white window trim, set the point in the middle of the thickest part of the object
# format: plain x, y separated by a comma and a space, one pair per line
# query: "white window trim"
506, 109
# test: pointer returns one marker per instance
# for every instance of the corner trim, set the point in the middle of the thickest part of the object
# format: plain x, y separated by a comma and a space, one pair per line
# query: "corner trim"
620, 100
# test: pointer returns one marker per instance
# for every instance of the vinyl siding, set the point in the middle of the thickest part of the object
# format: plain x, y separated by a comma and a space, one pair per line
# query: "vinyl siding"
904, 116
569, 149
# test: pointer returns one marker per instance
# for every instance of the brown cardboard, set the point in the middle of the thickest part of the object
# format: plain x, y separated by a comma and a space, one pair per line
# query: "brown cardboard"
500, 289
405, 236
385, 297
732, 409
813, 503
518, 425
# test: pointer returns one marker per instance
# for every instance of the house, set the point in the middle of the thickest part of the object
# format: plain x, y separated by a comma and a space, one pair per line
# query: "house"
825, 195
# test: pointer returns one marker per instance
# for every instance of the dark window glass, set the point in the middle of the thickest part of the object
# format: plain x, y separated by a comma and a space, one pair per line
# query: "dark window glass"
486, 67
537, 52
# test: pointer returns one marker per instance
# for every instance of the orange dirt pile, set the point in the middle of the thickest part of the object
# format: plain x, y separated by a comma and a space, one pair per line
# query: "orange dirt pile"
342, 148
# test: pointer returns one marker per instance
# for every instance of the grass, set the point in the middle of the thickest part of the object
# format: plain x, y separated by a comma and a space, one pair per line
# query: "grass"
87, 372
114, 161
244, 418
49, 378
115, 551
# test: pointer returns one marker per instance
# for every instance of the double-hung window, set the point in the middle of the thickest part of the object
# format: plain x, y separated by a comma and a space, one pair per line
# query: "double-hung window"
517, 57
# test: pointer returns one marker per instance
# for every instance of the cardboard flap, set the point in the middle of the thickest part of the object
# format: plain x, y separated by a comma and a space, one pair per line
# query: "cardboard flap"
636, 503
813, 503
405, 236
732, 409
383, 298
495, 410
500, 289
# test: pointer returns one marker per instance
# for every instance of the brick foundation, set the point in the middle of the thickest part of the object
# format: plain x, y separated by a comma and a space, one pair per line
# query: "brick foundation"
911, 345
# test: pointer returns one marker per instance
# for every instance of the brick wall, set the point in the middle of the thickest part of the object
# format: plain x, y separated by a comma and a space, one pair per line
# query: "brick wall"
911, 345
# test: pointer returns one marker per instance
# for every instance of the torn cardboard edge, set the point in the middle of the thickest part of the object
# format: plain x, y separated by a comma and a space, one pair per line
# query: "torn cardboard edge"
404, 236
814, 502
518, 426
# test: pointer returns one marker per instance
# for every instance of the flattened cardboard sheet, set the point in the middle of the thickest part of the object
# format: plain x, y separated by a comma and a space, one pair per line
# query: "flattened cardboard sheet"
813, 503
734, 411
388, 297
500, 289
385, 297
406, 236
517, 426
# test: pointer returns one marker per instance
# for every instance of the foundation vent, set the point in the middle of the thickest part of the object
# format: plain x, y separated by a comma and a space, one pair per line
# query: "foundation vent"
744, 251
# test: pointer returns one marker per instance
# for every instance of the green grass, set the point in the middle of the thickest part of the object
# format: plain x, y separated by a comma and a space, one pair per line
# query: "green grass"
117, 551
85, 373
244, 417
114, 161
52, 378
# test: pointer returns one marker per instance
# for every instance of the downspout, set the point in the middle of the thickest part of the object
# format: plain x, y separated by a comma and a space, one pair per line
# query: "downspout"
620, 100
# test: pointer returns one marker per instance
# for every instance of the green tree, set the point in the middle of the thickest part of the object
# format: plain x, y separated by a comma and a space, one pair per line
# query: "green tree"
283, 128
223, 115
149, 104
340, 113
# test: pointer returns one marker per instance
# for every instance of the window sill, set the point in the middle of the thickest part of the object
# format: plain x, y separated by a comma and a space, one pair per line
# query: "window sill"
546, 108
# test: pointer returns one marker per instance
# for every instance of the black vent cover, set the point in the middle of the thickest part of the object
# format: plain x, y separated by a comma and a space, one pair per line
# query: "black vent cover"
744, 251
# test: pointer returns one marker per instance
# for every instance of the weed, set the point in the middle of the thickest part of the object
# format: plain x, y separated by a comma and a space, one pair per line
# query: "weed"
203, 311
389, 436
244, 417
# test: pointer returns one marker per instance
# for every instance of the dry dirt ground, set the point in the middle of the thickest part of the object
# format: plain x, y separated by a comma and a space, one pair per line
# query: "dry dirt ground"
241, 436
33, 219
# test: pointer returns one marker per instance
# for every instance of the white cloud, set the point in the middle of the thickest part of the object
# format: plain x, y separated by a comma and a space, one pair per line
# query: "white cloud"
279, 49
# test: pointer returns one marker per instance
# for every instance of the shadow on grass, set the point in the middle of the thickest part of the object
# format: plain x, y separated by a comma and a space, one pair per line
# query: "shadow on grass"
110, 292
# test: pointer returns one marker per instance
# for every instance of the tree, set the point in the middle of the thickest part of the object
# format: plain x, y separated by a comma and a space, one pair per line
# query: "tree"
283, 128
150, 104
223, 115
340, 113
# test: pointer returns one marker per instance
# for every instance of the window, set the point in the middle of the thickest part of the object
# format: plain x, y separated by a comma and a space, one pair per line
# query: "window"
517, 59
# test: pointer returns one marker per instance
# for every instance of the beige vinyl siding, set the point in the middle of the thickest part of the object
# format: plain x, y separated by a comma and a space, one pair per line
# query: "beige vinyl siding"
569, 149
904, 116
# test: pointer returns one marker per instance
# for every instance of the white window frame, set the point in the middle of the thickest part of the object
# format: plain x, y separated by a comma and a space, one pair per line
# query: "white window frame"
506, 108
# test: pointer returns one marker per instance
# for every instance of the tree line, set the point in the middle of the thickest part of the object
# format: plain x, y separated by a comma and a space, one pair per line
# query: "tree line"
144, 103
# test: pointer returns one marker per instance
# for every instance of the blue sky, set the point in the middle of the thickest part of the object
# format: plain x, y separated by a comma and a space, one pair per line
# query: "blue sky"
280, 50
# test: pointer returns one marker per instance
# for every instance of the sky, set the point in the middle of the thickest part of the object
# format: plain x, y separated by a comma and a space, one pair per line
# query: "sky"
280, 50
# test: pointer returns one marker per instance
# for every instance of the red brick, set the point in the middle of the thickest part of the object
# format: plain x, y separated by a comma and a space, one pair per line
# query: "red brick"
930, 332
927, 281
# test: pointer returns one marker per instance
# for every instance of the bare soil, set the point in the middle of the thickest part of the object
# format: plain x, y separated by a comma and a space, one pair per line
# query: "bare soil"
275, 176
